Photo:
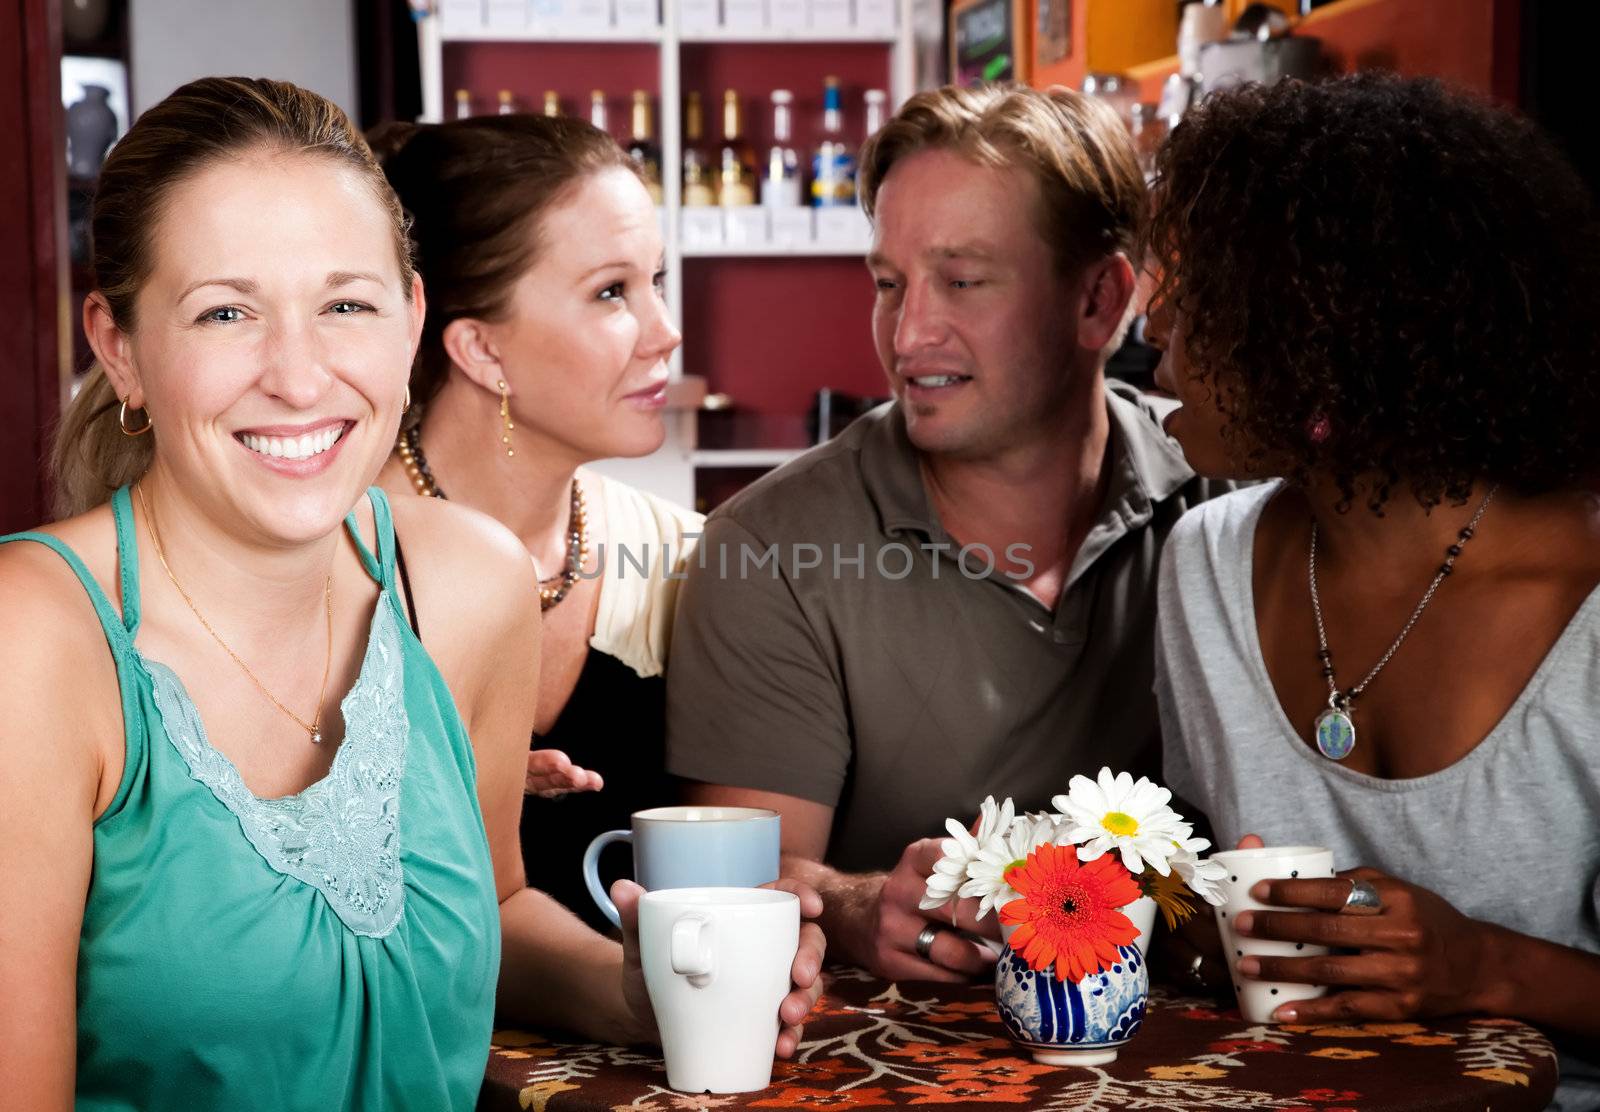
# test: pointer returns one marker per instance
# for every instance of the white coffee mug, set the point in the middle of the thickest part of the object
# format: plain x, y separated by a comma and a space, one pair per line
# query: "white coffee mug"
1246, 868
717, 964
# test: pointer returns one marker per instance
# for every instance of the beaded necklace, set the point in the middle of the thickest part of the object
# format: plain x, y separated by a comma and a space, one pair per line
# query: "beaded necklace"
552, 589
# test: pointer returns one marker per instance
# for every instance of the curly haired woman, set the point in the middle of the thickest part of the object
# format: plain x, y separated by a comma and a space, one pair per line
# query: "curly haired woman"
1384, 293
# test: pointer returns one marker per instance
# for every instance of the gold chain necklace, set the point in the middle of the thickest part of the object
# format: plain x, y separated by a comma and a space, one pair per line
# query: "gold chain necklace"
314, 727
409, 447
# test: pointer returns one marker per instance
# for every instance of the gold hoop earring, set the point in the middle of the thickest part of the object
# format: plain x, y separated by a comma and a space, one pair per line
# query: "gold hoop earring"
505, 415
405, 406
122, 419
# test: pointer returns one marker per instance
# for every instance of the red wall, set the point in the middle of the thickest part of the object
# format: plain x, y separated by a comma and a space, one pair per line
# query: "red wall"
771, 332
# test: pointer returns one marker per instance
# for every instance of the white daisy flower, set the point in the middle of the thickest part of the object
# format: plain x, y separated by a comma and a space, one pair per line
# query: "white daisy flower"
987, 872
1118, 812
962, 848
1200, 876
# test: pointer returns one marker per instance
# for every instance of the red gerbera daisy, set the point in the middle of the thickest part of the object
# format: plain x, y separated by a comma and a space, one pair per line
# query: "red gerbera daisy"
1068, 913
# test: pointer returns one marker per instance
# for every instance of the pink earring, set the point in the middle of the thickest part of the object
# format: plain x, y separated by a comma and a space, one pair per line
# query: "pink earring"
1318, 429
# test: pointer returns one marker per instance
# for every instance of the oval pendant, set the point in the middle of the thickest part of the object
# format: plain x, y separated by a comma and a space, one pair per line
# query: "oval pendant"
1336, 734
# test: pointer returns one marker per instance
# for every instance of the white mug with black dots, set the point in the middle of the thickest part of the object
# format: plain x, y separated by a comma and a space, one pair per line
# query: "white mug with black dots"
1247, 868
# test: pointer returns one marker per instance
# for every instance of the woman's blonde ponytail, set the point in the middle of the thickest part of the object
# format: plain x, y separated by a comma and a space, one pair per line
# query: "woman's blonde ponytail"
92, 456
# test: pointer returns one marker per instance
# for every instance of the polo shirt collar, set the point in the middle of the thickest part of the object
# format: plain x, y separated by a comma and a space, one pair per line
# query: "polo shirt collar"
892, 473
1145, 464
1147, 467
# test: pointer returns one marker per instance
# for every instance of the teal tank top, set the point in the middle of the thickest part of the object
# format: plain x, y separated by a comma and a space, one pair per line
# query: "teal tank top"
338, 948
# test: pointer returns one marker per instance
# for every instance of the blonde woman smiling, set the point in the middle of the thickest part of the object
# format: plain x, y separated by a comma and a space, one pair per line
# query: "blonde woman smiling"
260, 845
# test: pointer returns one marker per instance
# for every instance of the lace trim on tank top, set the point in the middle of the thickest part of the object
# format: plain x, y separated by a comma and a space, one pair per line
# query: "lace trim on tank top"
342, 834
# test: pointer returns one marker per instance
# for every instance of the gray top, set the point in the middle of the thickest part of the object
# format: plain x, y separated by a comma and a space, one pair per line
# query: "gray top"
1507, 834
889, 684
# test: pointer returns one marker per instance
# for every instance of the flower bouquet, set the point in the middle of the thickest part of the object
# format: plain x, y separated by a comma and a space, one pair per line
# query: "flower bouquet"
1071, 983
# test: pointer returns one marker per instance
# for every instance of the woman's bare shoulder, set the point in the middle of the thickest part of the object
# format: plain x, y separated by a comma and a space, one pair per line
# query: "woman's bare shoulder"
472, 582
57, 676
39, 589
451, 539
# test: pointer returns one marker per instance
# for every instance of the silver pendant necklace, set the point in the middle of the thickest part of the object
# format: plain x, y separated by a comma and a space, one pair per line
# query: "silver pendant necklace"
1335, 729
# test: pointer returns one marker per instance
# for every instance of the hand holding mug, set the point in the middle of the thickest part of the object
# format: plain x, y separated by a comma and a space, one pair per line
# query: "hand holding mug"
1245, 870
804, 971
1414, 955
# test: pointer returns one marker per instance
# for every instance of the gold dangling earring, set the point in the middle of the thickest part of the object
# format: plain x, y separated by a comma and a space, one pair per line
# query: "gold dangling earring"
122, 419
505, 415
405, 407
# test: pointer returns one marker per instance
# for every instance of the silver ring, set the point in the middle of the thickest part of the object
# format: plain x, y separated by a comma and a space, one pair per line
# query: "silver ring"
1363, 899
925, 941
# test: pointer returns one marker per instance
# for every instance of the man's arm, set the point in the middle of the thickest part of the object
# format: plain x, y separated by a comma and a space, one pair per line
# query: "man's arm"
871, 919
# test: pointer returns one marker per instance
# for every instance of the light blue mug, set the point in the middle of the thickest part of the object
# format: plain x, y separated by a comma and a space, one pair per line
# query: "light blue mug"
691, 847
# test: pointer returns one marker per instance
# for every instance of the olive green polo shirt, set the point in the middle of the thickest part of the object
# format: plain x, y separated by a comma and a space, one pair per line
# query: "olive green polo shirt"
832, 643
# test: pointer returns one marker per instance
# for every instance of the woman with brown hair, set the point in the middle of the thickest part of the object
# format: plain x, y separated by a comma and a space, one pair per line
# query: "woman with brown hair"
1384, 292
546, 349
225, 884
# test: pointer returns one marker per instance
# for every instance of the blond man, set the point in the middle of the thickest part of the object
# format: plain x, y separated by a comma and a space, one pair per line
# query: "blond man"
955, 596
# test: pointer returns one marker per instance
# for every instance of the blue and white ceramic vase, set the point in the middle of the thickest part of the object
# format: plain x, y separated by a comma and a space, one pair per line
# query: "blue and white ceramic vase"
1072, 1023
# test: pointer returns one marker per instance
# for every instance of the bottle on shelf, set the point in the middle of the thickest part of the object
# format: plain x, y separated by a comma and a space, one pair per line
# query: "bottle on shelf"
877, 101
552, 103
697, 183
507, 106
736, 162
780, 184
642, 146
833, 166
597, 109
463, 104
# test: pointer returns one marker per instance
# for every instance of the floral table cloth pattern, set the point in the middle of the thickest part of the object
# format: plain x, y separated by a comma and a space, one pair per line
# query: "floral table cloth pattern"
872, 1044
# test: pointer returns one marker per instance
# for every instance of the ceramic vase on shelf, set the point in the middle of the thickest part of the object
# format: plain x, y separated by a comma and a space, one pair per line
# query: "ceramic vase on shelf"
91, 127
1072, 1023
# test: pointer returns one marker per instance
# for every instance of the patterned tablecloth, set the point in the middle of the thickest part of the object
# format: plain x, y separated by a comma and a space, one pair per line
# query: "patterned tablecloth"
872, 1044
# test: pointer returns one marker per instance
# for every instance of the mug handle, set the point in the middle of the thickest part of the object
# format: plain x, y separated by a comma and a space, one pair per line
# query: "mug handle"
591, 872
691, 949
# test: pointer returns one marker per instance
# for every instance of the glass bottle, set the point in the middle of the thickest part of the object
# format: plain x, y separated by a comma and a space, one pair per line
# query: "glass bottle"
780, 184
736, 162
697, 183
552, 103
642, 146
463, 104
877, 101
833, 166
507, 107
